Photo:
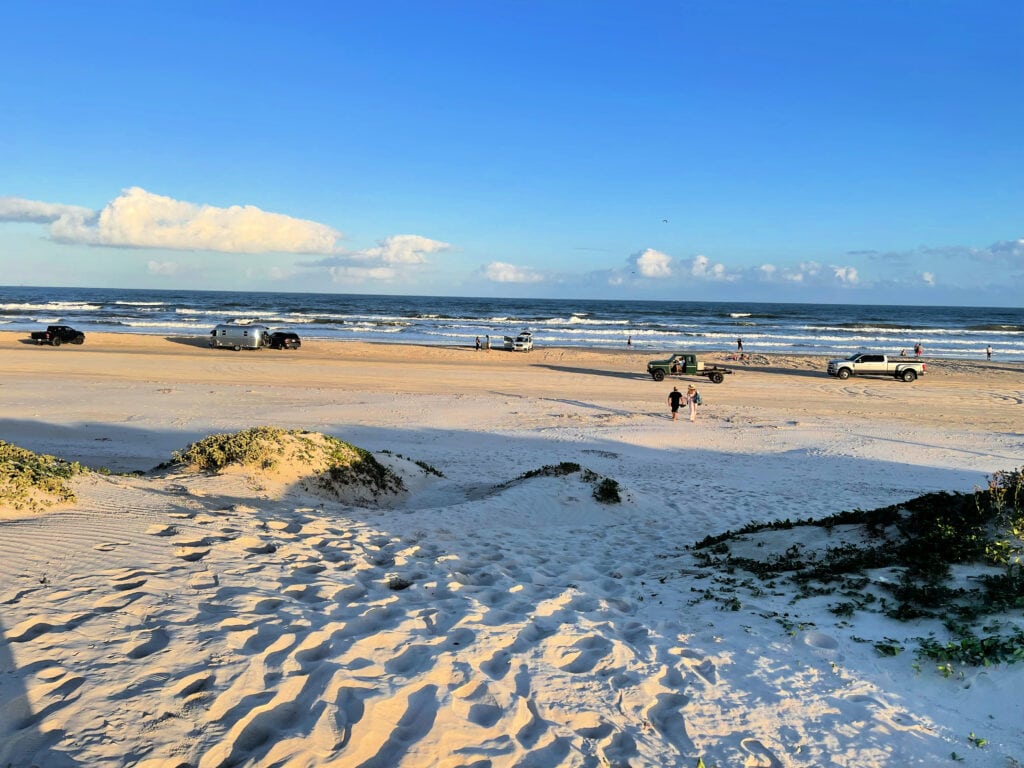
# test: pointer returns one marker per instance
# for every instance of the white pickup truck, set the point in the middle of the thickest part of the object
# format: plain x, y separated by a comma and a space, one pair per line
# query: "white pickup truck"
867, 364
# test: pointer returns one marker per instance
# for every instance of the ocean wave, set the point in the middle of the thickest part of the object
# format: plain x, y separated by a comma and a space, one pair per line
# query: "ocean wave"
51, 306
997, 328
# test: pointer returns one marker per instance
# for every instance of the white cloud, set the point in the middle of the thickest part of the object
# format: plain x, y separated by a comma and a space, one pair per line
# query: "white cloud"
928, 278
165, 268
652, 263
702, 269
16, 209
402, 249
846, 274
768, 270
140, 219
500, 272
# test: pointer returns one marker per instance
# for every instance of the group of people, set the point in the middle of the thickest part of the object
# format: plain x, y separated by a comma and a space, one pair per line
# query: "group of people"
691, 399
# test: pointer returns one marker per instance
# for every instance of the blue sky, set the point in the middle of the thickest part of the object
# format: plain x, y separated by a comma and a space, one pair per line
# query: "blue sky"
791, 150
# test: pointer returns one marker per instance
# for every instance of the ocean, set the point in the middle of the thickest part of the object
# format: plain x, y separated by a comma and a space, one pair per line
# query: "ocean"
819, 329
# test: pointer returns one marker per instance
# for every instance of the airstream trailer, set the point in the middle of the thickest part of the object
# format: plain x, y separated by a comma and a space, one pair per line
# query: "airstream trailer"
237, 337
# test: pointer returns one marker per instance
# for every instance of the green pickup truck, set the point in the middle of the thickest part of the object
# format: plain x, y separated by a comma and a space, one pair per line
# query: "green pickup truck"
685, 364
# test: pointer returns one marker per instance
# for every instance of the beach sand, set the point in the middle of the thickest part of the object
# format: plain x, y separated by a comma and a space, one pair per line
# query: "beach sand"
178, 619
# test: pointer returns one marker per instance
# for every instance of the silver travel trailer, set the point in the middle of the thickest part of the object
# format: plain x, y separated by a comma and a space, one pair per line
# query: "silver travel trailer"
236, 337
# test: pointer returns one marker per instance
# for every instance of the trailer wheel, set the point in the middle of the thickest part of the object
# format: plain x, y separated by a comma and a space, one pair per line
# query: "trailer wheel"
909, 375
844, 373
56, 341
658, 375
236, 348
717, 378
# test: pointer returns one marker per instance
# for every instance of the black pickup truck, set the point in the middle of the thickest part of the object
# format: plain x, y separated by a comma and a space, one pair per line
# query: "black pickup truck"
57, 335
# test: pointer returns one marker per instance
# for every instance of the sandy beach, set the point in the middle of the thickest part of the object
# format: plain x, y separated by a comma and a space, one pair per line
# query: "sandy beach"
169, 619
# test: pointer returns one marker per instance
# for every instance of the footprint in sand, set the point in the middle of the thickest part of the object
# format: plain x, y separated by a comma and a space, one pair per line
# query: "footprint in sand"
148, 642
191, 554
255, 545
759, 752
667, 718
28, 630
586, 653
822, 645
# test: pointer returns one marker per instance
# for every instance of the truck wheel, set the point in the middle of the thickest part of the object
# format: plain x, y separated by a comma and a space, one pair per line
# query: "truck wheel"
717, 378
56, 341
78, 339
844, 373
658, 375
909, 375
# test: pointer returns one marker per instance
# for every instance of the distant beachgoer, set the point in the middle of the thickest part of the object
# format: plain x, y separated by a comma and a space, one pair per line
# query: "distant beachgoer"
988, 351
739, 345
691, 400
903, 353
477, 343
487, 345
674, 397
629, 341
918, 349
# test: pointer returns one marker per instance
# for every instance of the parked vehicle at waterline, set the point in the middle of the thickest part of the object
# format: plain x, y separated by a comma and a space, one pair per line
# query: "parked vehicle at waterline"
871, 364
521, 343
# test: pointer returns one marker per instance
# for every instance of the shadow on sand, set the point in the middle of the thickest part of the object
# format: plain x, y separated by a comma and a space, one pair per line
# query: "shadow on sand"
596, 372
202, 342
21, 740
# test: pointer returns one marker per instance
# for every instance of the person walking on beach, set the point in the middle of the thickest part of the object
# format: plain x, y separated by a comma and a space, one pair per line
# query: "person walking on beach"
477, 343
739, 346
674, 397
918, 349
487, 344
629, 341
988, 352
692, 400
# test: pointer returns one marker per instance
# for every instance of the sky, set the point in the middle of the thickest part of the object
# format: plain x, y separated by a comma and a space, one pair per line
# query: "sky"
759, 150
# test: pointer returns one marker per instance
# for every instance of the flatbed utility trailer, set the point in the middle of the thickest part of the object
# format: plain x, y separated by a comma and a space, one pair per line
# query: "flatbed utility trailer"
685, 364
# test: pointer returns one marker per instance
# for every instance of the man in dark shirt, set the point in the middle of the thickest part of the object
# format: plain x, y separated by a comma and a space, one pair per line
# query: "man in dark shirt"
673, 400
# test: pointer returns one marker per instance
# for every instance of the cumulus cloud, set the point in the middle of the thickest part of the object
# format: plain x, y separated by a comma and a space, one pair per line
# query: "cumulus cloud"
652, 263
141, 219
402, 249
702, 269
501, 272
928, 278
845, 274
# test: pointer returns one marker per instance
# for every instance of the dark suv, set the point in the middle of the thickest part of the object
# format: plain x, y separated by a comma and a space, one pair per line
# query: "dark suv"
284, 340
